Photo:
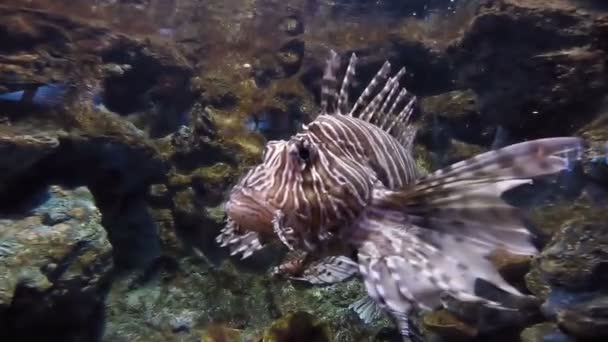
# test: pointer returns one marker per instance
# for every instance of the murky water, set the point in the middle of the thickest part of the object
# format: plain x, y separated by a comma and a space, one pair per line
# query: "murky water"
125, 124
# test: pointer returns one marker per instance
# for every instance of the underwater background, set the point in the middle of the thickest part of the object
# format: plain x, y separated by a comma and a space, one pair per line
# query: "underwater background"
124, 124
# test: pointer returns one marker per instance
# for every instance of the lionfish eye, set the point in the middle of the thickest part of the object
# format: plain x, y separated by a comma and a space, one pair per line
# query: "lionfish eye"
303, 153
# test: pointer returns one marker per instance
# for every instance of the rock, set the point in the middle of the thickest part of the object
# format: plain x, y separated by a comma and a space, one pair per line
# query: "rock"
457, 112
20, 151
448, 326
595, 134
292, 25
297, 327
159, 194
532, 64
587, 320
188, 295
568, 275
54, 275
544, 332
575, 257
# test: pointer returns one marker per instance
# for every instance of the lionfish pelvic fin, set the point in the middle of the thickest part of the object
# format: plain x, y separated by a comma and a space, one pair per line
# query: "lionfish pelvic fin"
329, 270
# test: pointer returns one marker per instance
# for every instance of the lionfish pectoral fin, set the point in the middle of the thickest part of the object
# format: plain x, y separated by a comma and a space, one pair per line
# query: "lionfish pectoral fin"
285, 233
403, 271
366, 308
435, 237
461, 205
245, 244
329, 270
384, 289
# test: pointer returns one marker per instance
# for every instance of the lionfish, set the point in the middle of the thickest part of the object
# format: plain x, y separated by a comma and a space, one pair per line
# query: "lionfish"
347, 192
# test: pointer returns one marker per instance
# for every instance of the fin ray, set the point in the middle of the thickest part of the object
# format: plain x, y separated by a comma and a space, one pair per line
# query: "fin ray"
245, 244
329, 270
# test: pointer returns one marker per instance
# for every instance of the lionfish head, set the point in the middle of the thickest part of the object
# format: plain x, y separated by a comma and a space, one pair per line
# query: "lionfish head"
301, 187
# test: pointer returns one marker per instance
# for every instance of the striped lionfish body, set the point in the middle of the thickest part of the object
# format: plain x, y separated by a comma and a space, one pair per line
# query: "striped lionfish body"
349, 178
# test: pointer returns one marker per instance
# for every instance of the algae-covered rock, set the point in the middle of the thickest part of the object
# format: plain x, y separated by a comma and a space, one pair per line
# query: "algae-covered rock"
544, 332
575, 257
297, 327
569, 272
54, 273
41, 241
21, 151
587, 320
456, 112
448, 326
532, 63
183, 298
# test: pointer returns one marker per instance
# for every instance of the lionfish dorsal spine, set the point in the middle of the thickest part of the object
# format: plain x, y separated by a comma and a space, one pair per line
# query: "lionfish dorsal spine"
371, 111
329, 83
349, 76
363, 100
400, 97
404, 115
378, 103
388, 101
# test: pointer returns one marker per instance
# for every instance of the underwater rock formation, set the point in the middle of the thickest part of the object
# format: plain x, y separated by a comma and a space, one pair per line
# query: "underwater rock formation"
55, 269
533, 64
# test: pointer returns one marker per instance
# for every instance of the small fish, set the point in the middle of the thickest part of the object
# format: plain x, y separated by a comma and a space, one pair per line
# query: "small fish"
47, 95
349, 179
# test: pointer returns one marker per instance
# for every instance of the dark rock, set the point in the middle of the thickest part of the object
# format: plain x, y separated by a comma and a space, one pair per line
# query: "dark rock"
457, 115
544, 332
297, 327
587, 320
292, 25
20, 151
290, 56
576, 257
533, 64
158, 78
448, 326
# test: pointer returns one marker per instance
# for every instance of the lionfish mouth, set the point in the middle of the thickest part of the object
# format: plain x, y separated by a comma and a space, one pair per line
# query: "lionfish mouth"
249, 211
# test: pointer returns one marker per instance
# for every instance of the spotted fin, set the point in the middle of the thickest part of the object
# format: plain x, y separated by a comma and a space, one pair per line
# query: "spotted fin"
433, 238
329, 270
366, 308
245, 244
383, 102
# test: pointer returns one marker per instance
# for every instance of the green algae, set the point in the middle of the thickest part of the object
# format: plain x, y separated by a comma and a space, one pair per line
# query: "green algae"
297, 327
445, 324
218, 174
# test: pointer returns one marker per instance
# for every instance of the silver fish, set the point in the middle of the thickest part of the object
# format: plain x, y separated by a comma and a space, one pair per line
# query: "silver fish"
349, 179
